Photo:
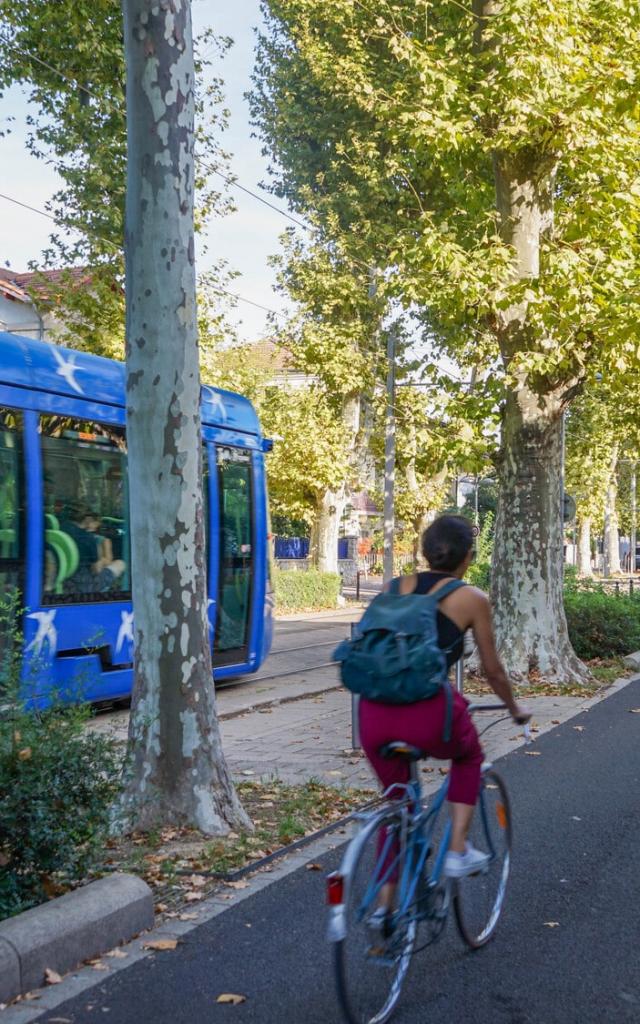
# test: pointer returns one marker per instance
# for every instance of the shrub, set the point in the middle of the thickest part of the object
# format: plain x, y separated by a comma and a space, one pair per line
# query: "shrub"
57, 783
300, 591
601, 625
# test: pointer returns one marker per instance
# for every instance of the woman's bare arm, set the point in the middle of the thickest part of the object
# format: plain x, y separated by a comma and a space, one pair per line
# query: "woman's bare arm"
482, 626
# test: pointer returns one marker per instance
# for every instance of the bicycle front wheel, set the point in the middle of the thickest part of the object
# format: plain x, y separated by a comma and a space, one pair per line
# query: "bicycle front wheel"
478, 900
372, 960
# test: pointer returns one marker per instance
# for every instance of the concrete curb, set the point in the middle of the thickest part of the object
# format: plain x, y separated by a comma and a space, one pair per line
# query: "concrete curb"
75, 927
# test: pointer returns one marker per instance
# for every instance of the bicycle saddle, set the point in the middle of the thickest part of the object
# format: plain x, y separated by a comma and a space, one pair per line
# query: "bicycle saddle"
399, 749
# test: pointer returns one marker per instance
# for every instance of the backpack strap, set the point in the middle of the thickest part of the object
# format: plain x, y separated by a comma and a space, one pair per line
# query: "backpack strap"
448, 588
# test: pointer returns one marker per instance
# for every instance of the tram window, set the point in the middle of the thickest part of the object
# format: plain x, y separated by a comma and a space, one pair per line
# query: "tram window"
236, 548
11, 532
86, 512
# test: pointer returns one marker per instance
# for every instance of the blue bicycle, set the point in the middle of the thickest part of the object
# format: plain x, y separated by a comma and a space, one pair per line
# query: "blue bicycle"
405, 842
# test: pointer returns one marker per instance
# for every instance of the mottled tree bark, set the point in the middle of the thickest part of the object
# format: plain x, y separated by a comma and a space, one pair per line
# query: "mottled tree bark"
331, 504
611, 523
527, 590
175, 771
584, 547
527, 585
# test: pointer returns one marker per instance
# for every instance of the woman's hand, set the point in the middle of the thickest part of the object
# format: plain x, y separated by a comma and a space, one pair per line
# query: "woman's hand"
520, 715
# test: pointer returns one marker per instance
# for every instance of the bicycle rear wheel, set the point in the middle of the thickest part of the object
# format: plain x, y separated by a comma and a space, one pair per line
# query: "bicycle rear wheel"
478, 900
371, 963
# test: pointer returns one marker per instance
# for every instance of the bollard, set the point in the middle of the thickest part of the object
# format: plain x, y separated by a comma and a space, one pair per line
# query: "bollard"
355, 726
460, 675
630, 588
358, 585
355, 702
617, 588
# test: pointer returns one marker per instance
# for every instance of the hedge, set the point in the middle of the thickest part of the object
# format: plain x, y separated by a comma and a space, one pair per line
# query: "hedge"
305, 591
601, 625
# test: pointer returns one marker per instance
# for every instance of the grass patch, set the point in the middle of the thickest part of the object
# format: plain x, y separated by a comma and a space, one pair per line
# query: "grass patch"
177, 862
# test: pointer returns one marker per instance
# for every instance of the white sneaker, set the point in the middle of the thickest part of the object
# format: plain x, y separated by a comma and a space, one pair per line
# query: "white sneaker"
471, 862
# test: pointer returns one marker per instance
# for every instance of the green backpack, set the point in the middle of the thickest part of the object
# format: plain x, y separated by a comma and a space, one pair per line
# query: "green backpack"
393, 655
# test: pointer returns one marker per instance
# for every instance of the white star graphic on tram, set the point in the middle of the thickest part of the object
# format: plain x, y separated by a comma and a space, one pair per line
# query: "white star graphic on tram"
46, 631
67, 368
217, 403
126, 630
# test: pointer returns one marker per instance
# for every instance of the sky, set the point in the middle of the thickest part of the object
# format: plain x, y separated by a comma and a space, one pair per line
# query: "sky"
245, 239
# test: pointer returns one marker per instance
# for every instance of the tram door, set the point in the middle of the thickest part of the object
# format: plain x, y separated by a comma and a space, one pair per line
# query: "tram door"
12, 521
236, 555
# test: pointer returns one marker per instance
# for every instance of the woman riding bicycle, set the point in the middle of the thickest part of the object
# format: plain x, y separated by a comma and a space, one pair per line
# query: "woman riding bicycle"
447, 545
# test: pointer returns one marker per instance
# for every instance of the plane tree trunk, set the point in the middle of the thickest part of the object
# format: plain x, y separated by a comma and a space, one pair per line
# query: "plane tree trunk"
175, 772
584, 547
527, 578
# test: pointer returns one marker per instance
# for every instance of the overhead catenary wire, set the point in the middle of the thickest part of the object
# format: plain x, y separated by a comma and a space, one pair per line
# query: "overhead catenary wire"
118, 248
230, 180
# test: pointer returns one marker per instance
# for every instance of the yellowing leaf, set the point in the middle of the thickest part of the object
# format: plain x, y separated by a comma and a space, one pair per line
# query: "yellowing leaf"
25, 754
160, 944
193, 897
232, 998
52, 977
237, 885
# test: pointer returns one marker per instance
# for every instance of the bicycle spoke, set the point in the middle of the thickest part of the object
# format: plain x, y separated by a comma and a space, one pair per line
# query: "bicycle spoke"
478, 900
372, 960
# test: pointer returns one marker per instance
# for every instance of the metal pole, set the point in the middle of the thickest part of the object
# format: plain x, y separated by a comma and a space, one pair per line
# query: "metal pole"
389, 459
634, 511
460, 675
355, 704
476, 515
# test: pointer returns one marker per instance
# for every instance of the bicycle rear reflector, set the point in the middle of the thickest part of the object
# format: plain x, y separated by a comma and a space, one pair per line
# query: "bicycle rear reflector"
335, 889
501, 815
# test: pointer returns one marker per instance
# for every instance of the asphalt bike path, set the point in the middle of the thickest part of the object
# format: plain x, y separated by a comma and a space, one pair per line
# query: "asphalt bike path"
566, 949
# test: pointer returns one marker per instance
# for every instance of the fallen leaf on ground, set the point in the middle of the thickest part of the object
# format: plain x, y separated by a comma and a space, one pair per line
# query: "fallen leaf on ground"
532, 753
231, 997
555, 721
635, 711
552, 924
24, 755
443, 771
99, 966
161, 908
117, 954
160, 944
579, 728
193, 897
247, 773
52, 977
314, 867
197, 881
56, 1020
188, 917
237, 885
31, 995
576, 818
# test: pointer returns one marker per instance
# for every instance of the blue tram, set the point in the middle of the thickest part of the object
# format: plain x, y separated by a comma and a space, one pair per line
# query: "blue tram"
64, 523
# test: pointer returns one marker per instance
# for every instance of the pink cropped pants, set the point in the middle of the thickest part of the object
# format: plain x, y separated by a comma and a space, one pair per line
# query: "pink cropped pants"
421, 724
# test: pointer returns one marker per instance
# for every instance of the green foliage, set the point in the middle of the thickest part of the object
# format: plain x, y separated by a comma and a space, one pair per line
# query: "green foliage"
58, 781
602, 625
306, 591
70, 56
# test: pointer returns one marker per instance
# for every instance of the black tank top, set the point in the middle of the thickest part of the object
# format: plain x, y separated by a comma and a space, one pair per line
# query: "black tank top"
448, 633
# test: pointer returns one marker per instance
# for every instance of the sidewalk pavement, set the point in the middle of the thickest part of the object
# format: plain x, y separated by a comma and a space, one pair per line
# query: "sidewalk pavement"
311, 737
